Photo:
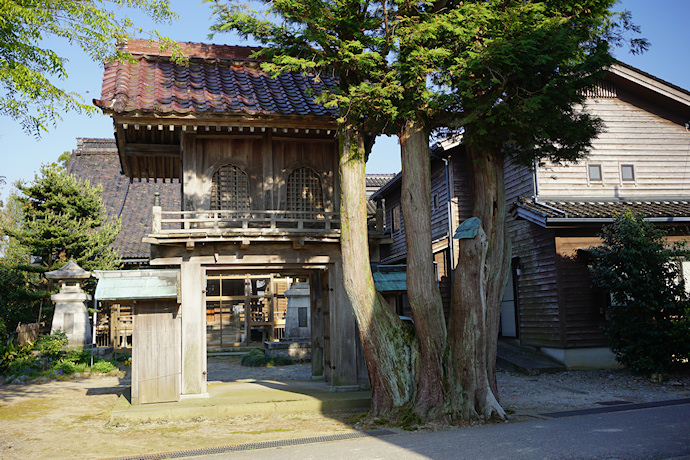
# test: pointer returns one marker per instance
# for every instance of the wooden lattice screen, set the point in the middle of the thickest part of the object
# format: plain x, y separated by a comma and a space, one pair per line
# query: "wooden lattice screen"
230, 189
304, 191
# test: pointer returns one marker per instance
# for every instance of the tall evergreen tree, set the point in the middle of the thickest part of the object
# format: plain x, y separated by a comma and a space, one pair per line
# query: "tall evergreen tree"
64, 219
509, 74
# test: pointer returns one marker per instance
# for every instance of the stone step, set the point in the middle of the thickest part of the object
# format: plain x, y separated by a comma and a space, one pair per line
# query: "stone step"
513, 357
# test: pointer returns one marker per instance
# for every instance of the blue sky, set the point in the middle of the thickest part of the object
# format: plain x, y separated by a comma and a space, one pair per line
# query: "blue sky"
663, 23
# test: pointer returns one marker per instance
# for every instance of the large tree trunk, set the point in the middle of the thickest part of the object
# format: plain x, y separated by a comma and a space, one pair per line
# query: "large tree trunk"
389, 350
422, 287
478, 285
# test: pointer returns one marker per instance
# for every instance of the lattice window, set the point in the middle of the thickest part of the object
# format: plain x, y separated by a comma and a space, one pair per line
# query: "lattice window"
304, 191
230, 189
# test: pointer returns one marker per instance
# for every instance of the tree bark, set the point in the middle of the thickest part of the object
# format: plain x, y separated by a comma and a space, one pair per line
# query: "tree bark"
422, 287
478, 285
390, 350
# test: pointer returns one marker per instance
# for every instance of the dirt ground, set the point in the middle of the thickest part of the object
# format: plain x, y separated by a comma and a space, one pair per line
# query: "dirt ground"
69, 419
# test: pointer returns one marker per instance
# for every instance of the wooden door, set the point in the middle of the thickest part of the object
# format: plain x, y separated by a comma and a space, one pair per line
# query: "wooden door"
157, 352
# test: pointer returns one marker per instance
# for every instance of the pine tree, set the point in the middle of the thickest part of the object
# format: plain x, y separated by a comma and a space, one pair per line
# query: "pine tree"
64, 219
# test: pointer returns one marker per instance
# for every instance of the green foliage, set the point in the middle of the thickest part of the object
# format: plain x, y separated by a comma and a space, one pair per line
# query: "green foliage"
258, 358
103, 367
509, 73
19, 296
650, 311
48, 357
51, 345
13, 358
515, 72
27, 65
64, 219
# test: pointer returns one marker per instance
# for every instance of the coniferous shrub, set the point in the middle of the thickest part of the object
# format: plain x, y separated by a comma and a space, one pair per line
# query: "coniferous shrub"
649, 315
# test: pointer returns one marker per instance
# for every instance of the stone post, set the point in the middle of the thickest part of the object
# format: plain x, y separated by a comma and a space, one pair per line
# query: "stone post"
71, 313
297, 321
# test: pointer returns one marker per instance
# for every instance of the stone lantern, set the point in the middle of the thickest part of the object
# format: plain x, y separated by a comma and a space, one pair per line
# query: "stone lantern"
297, 316
71, 312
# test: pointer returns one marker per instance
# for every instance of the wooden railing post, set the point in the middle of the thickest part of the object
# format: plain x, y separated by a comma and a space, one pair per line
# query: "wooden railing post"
157, 211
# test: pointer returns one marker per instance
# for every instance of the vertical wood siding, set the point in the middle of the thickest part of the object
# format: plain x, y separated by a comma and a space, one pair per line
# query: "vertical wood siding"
583, 307
538, 301
439, 200
462, 200
267, 162
537, 285
395, 252
156, 352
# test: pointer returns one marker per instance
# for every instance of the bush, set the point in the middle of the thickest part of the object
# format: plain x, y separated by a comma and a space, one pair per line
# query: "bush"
67, 367
78, 356
103, 367
46, 357
650, 311
52, 345
257, 358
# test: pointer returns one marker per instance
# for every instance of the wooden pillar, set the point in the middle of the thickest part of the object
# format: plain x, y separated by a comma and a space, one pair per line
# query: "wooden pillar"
343, 332
193, 330
318, 295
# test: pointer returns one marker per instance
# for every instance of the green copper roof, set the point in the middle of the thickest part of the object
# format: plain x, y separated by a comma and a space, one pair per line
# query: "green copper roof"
390, 278
137, 284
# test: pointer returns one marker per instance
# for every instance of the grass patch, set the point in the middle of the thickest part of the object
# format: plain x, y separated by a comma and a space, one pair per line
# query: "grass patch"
258, 358
103, 367
22, 409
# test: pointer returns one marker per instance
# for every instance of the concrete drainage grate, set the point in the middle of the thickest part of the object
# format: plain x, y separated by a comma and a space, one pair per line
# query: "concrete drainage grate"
258, 445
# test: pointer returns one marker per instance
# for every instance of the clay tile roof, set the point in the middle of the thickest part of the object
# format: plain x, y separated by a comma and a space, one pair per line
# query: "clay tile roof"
549, 210
378, 180
216, 80
97, 161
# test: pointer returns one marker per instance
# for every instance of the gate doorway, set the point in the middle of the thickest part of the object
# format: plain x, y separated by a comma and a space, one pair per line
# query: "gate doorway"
245, 310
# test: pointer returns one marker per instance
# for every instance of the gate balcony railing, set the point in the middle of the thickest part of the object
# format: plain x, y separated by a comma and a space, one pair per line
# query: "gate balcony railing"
250, 223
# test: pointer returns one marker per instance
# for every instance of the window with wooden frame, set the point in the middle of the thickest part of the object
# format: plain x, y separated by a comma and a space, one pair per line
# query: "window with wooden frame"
304, 191
230, 189
594, 173
627, 173
395, 219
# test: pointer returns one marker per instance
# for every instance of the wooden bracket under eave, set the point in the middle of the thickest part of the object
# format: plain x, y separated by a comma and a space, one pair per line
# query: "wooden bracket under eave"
298, 243
244, 244
189, 245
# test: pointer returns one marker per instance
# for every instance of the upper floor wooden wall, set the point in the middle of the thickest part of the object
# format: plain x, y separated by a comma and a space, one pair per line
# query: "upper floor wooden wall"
267, 160
638, 135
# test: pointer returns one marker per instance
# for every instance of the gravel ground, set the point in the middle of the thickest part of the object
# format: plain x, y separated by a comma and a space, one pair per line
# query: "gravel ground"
572, 390
229, 369
521, 394
69, 419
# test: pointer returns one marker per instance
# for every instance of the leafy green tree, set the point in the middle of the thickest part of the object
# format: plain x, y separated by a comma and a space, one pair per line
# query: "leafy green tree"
352, 40
28, 68
64, 219
649, 316
21, 293
510, 75
20, 287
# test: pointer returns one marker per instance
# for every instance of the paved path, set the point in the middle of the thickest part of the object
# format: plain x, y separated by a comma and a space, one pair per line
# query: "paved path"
652, 433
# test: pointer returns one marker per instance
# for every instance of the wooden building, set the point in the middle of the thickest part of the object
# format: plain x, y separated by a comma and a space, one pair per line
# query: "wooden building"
97, 161
256, 163
450, 205
639, 162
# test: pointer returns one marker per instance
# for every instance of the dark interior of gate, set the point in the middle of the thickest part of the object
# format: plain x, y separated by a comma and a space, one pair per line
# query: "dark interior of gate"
245, 310
267, 310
